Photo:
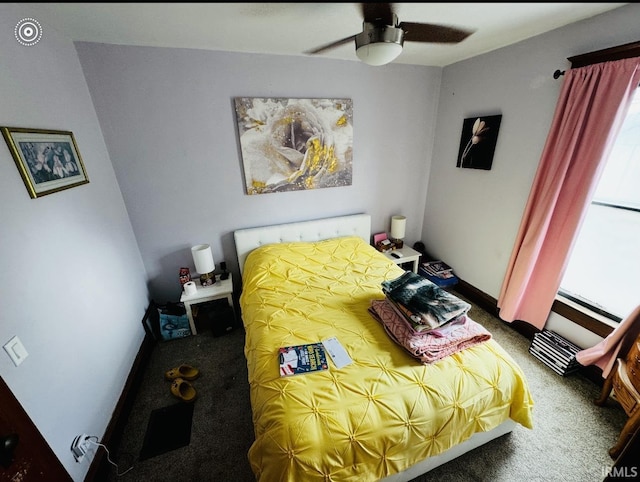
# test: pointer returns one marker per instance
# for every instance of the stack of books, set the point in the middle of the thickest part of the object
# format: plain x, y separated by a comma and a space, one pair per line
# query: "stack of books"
556, 352
438, 272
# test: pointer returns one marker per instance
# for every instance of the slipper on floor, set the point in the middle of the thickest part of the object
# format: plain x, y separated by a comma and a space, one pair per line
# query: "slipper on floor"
183, 390
186, 372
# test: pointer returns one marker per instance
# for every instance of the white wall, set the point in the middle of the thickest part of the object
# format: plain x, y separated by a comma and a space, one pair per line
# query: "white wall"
169, 123
472, 216
72, 280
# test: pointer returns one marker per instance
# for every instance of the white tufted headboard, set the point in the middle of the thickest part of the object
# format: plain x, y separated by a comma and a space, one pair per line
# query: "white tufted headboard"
316, 230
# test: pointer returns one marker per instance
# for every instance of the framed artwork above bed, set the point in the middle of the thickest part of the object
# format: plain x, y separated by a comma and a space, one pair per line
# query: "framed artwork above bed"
295, 144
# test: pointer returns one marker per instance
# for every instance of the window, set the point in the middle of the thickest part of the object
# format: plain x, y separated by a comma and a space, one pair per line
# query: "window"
603, 273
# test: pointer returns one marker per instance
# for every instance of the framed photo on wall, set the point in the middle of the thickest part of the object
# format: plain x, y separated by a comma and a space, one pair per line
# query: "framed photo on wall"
295, 144
48, 160
478, 142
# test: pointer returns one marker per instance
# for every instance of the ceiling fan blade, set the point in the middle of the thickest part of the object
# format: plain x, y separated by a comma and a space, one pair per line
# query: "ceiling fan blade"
377, 13
425, 32
332, 45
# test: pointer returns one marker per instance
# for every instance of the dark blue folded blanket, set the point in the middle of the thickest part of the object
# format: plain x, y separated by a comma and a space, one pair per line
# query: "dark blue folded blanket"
427, 305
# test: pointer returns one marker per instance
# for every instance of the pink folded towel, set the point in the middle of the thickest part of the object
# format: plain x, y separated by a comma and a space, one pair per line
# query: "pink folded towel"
429, 346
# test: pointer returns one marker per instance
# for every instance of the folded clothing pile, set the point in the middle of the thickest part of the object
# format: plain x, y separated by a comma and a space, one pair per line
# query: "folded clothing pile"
425, 305
429, 322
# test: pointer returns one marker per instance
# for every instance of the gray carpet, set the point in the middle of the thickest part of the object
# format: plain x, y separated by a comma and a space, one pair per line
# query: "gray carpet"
569, 442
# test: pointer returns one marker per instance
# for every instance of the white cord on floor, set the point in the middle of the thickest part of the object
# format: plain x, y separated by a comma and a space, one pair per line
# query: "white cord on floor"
109, 458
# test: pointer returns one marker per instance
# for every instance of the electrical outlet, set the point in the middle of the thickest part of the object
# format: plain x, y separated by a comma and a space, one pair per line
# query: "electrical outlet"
80, 446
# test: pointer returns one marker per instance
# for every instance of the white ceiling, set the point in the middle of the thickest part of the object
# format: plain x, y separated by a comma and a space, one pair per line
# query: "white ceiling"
293, 28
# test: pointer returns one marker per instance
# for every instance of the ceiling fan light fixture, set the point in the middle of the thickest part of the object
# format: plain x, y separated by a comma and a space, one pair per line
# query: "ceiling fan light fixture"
382, 36
379, 45
379, 53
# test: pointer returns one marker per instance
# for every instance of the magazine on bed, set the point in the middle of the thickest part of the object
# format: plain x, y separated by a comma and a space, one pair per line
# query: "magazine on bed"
306, 358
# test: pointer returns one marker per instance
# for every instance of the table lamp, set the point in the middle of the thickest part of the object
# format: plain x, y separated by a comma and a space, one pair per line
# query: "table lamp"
203, 259
398, 224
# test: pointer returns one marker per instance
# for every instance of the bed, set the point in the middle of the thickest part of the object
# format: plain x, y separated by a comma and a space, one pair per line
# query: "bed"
385, 416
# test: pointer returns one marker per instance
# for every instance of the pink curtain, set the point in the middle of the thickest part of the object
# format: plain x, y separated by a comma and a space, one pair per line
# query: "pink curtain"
604, 354
592, 105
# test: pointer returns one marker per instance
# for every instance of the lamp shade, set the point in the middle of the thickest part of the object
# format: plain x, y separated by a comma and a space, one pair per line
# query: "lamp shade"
203, 259
398, 224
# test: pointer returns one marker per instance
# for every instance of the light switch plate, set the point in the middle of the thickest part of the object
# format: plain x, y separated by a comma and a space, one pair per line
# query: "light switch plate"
16, 351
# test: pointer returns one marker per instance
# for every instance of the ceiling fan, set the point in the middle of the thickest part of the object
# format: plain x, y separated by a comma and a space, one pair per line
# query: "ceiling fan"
382, 36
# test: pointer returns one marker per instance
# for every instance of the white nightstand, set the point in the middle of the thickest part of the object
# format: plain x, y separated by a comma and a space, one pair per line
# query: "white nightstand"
219, 289
408, 255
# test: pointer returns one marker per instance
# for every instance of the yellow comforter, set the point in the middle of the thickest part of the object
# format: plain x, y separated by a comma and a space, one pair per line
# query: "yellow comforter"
382, 413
